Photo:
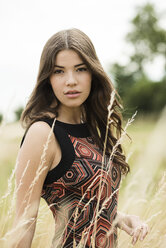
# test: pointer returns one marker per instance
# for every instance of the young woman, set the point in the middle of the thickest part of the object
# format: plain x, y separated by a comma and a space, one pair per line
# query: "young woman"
69, 154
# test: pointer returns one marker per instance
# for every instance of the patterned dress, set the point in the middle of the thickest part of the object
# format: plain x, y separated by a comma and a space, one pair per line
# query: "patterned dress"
71, 190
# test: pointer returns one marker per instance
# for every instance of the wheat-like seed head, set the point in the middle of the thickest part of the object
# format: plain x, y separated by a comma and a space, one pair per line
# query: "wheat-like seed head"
139, 197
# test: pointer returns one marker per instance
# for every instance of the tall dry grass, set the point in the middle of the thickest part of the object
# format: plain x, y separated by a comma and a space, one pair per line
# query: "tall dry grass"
143, 193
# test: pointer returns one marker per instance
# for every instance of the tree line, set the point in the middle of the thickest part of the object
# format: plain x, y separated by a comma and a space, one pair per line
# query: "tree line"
148, 41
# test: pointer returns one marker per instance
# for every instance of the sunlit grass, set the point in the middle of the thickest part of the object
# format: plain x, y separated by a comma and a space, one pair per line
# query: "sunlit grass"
143, 191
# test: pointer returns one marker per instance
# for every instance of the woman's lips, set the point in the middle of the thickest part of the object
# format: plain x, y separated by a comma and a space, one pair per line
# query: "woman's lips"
72, 93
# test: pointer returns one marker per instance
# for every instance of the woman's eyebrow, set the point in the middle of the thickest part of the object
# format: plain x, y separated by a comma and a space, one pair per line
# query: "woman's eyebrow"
59, 66
79, 64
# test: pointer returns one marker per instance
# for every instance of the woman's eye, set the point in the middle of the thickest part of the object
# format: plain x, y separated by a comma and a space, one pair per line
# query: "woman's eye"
58, 71
82, 69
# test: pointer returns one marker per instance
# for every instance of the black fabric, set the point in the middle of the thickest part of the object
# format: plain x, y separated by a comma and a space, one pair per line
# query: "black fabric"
61, 131
77, 190
76, 130
22, 141
67, 151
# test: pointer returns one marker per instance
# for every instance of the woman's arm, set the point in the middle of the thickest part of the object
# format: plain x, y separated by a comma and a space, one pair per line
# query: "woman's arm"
34, 160
132, 225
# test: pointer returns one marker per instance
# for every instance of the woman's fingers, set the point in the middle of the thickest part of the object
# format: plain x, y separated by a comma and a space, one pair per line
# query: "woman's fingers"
136, 234
140, 232
144, 231
132, 225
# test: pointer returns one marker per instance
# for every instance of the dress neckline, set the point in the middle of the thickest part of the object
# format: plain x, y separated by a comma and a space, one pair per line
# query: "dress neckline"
77, 130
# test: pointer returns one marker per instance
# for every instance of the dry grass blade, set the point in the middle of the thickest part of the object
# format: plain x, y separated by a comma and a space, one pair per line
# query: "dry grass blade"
139, 197
30, 208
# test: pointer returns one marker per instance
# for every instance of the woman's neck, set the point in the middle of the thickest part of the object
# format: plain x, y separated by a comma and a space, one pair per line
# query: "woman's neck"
70, 116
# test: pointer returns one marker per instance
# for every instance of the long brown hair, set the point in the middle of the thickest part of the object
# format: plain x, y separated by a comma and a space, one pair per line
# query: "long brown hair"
96, 105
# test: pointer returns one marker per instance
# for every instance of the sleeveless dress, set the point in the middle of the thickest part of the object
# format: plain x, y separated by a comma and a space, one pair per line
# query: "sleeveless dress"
71, 189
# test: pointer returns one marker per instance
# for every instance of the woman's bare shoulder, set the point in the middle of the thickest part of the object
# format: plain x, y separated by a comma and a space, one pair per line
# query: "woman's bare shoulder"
39, 135
38, 131
40, 127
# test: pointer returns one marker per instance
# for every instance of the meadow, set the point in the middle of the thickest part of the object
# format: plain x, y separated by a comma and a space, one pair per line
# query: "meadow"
142, 192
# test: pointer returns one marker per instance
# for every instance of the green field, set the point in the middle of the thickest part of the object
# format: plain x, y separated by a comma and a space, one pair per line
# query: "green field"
143, 191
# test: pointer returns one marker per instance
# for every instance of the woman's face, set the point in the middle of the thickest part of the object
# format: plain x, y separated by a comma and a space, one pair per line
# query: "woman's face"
71, 79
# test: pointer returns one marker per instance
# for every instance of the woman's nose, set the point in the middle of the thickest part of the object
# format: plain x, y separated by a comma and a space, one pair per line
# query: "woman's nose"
71, 79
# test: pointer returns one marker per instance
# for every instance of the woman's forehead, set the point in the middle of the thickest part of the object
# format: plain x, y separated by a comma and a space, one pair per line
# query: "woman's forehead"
68, 56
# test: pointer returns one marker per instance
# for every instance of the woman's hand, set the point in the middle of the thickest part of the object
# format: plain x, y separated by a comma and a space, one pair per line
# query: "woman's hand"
132, 225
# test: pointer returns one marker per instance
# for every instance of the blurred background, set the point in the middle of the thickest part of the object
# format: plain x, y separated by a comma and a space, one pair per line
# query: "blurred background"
129, 36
